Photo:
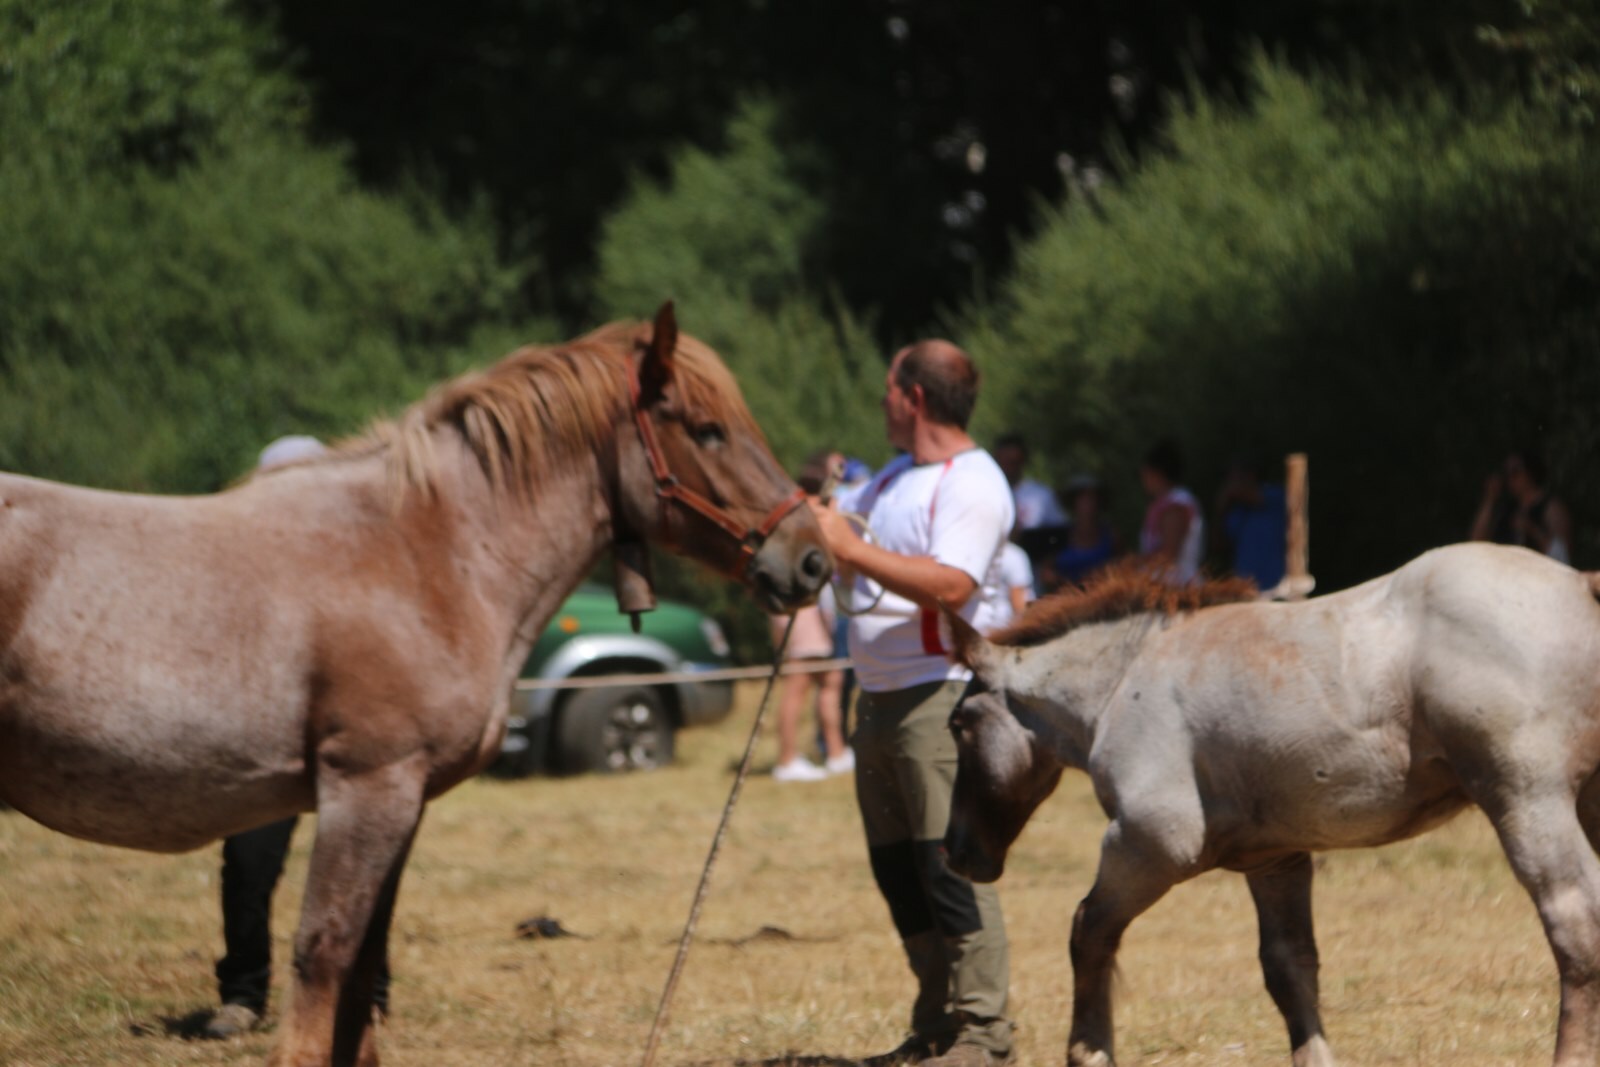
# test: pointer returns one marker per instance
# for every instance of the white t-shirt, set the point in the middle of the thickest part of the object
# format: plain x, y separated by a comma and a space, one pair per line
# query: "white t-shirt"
1015, 573
1037, 505
959, 512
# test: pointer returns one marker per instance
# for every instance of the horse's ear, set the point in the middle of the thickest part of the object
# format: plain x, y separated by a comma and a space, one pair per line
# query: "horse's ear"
656, 369
970, 649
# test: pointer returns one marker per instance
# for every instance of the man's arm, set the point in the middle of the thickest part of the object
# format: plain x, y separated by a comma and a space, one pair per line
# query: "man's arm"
921, 579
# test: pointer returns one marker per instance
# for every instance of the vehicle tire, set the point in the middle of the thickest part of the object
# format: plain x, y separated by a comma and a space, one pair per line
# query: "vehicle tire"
613, 730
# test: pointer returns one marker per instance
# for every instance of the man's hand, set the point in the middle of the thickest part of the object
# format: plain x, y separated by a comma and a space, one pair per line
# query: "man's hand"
838, 532
839, 535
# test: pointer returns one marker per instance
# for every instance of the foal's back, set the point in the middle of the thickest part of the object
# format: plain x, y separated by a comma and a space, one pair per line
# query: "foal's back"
1365, 716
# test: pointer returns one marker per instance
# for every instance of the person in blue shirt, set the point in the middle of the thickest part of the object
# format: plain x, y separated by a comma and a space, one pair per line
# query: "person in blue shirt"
1252, 522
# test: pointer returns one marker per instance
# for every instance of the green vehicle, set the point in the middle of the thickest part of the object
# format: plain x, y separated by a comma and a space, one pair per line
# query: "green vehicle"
614, 728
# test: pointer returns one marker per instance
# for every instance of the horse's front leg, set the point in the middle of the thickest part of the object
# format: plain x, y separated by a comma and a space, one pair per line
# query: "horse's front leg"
1134, 873
365, 825
1282, 893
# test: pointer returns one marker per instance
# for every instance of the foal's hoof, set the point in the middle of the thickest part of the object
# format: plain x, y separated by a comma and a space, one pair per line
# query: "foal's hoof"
231, 1020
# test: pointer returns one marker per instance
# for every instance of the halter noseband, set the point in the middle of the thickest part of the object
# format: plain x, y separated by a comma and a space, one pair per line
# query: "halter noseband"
668, 489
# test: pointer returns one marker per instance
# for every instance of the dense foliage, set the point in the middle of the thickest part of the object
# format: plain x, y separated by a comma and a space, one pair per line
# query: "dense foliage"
183, 275
1403, 289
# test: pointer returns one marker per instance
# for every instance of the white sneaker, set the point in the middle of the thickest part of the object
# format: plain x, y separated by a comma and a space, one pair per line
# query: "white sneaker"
843, 763
798, 769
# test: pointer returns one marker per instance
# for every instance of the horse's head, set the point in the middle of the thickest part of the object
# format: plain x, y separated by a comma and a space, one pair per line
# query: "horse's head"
1003, 774
1003, 771
699, 477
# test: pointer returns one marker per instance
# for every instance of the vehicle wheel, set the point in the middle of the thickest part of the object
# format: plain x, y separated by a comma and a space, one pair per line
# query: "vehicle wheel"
612, 730
519, 756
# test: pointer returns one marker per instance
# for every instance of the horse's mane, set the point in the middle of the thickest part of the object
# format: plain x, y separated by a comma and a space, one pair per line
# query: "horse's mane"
544, 407
1117, 592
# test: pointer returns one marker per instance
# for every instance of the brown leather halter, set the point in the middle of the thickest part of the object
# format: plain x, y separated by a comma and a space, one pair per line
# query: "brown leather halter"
669, 489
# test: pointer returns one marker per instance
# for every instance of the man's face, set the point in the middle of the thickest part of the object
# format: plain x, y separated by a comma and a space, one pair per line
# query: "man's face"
899, 409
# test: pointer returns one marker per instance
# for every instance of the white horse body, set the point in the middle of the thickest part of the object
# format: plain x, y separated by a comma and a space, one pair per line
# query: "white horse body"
1247, 735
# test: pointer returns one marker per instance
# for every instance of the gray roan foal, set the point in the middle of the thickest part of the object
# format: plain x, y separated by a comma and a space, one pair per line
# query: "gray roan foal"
342, 635
1248, 735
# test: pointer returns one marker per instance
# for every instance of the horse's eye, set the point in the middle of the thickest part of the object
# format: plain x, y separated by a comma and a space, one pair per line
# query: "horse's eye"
709, 435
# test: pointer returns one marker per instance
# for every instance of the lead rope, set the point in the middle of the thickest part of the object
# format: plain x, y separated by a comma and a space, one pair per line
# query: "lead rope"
716, 843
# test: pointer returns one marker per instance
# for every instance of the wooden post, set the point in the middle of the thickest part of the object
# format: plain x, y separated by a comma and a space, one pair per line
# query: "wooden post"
1297, 581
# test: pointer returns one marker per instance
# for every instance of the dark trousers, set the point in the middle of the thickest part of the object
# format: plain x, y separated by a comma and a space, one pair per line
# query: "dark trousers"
252, 863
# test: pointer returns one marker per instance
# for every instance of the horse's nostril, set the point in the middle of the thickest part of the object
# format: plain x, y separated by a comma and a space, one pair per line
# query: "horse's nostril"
814, 566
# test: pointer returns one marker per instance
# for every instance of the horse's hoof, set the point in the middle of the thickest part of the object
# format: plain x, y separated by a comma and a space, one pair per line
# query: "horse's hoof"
1079, 1056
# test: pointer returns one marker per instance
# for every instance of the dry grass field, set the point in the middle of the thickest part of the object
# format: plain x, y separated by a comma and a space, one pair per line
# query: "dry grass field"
1431, 952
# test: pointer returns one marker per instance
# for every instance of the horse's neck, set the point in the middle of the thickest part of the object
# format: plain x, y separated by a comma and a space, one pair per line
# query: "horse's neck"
530, 553
1068, 681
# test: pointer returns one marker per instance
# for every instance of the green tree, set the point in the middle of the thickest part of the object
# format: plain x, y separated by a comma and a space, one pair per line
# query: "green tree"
1401, 286
182, 274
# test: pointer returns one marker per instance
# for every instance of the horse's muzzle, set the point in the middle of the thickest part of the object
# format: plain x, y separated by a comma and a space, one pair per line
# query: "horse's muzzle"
782, 586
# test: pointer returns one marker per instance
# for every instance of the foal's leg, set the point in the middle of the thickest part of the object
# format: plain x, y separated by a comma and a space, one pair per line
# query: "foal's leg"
365, 824
1132, 877
1282, 893
1550, 854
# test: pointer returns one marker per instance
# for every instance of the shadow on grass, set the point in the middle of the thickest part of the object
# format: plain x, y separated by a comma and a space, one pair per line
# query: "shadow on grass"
190, 1027
789, 1060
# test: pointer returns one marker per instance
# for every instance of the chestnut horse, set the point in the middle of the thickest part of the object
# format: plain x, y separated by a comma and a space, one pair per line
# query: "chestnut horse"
342, 634
1246, 736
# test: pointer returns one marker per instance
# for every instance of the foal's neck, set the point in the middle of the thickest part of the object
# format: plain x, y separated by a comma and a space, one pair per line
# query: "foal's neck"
1065, 683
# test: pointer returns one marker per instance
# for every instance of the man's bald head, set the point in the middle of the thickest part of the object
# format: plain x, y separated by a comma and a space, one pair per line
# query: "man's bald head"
947, 376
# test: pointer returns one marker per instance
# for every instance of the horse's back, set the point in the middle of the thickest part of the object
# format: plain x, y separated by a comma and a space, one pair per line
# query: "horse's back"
1507, 652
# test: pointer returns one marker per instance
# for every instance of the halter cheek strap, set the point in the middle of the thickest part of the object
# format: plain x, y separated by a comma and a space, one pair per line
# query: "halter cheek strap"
669, 489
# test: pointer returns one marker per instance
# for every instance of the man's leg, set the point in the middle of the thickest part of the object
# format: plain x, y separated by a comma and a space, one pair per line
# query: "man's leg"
893, 856
251, 864
967, 916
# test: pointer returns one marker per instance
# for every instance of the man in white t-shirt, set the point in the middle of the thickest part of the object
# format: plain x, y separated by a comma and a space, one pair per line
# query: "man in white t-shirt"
938, 517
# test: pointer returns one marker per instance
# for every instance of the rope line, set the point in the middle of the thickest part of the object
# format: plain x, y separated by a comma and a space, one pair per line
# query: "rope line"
722, 674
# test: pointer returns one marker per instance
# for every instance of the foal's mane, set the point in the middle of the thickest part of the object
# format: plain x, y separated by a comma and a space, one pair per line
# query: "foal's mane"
1117, 592
543, 408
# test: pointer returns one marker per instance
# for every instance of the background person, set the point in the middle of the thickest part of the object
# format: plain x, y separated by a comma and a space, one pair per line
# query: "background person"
1517, 509
1172, 538
1036, 502
812, 638
1041, 523
939, 515
1016, 584
1252, 524
1090, 542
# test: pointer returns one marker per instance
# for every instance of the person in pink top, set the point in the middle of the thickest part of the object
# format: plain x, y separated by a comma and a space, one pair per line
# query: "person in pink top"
811, 639
1173, 535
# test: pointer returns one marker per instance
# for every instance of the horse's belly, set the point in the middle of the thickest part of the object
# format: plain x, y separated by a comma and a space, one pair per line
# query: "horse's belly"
150, 791
1321, 809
